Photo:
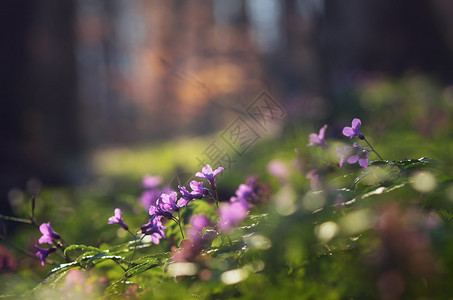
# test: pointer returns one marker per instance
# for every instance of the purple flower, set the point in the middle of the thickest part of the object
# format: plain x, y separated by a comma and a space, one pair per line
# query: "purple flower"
354, 130
185, 194
43, 253
198, 190
167, 205
152, 190
191, 248
278, 169
154, 229
318, 139
361, 156
198, 223
250, 194
244, 195
149, 197
151, 182
209, 175
117, 219
47, 234
343, 154
245, 192
231, 215
353, 154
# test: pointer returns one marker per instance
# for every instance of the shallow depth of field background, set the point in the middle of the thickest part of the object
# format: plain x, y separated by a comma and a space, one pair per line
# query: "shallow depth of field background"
97, 93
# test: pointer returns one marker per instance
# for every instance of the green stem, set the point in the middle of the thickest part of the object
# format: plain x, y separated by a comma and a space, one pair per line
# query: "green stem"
14, 219
372, 149
179, 224
216, 198
135, 247
134, 236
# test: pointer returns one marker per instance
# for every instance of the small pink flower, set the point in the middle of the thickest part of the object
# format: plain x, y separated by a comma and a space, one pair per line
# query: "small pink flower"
47, 234
354, 130
209, 175
117, 219
318, 139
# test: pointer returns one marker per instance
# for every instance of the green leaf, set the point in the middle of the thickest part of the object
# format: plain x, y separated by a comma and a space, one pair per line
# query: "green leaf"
382, 190
420, 163
73, 249
122, 248
97, 258
118, 287
55, 275
64, 267
142, 267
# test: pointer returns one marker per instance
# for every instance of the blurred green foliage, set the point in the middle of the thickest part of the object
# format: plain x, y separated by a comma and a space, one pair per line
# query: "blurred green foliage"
380, 232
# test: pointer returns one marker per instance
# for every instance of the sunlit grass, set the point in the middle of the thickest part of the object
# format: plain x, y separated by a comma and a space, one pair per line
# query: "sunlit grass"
160, 158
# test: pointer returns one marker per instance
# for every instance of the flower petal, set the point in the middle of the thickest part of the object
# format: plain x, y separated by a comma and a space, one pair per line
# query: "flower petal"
322, 132
356, 123
349, 132
207, 169
200, 175
195, 185
363, 162
353, 159
44, 228
217, 171
313, 139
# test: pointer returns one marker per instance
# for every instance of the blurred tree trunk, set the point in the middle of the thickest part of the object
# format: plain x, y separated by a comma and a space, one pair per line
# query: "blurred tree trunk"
38, 114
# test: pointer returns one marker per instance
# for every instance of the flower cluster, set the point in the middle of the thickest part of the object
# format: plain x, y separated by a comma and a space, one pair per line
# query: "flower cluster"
353, 154
167, 206
193, 246
48, 236
356, 153
154, 229
152, 190
198, 191
249, 193
231, 215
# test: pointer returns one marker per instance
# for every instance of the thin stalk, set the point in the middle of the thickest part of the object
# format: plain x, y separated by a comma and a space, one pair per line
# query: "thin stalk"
21, 220
372, 149
134, 236
216, 198
179, 224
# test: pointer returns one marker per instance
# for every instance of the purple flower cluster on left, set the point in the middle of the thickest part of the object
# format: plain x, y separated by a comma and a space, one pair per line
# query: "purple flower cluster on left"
168, 204
48, 236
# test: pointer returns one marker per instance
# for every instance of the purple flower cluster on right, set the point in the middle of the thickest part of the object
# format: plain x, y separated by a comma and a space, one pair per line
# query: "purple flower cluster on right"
356, 153
348, 154
353, 154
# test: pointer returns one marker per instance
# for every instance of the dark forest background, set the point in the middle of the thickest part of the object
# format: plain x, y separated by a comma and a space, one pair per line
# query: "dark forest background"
78, 75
